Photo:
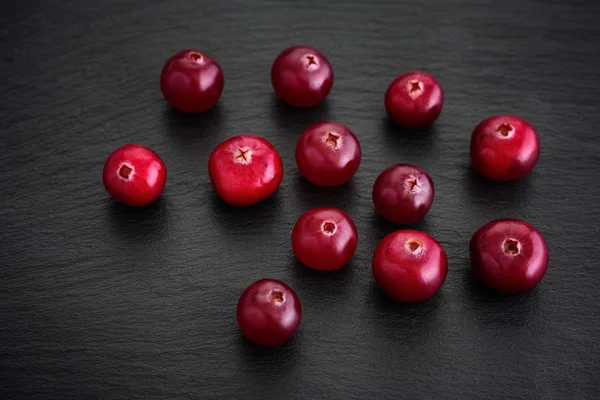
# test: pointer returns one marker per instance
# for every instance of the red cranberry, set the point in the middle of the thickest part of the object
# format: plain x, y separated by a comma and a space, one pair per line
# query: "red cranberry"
403, 194
269, 312
324, 238
504, 147
302, 76
328, 154
414, 100
509, 255
134, 175
245, 170
410, 266
191, 81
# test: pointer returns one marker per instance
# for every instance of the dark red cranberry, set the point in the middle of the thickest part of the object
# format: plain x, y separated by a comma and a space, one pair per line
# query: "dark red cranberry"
269, 312
504, 147
134, 175
245, 170
410, 266
403, 194
324, 238
302, 76
509, 255
414, 100
191, 81
328, 154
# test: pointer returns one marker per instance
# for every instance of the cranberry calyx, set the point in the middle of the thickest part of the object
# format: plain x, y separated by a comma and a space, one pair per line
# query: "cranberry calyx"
191, 81
509, 255
504, 147
269, 312
245, 170
324, 238
134, 175
302, 76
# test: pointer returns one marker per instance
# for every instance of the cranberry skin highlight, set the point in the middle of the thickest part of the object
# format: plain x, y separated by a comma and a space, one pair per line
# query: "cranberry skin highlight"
509, 256
269, 312
504, 148
414, 100
410, 266
302, 76
134, 175
403, 194
191, 81
324, 238
245, 170
328, 154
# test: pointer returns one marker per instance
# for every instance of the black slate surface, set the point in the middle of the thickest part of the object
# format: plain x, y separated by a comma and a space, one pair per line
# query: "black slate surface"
98, 301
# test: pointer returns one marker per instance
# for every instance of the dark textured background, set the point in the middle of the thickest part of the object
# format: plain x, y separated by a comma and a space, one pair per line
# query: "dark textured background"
103, 302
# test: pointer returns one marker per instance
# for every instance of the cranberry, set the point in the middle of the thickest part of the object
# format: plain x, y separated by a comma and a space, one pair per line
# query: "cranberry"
191, 81
269, 312
403, 193
324, 238
134, 175
504, 147
414, 100
302, 76
509, 255
410, 266
245, 170
328, 154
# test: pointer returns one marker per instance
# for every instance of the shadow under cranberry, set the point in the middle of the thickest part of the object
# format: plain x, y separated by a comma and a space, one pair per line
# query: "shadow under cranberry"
383, 227
496, 309
397, 134
341, 196
322, 284
256, 216
284, 355
297, 119
139, 224
514, 192
189, 128
415, 315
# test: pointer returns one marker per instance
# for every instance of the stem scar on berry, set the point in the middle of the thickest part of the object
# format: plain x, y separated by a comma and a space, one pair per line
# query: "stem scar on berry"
276, 296
505, 130
332, 139
311, 60
125, 171
195, 56
414, 245
243, 156
511, 247
329, 228
413, 184
415, 88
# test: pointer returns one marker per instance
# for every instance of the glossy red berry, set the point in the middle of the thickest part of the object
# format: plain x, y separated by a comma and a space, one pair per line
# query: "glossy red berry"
403, 194
414, 100
509, 255
328, 154
191, 81
134, 175
245, 170
410, 266
302, 76
324, 238
504, 147
269, 312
